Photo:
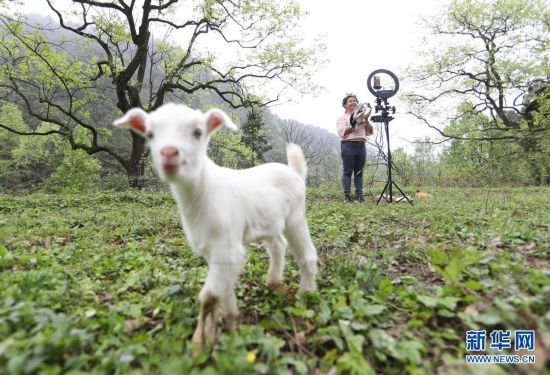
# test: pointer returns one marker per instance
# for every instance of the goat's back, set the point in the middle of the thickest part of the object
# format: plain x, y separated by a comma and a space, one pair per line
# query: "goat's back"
255, 202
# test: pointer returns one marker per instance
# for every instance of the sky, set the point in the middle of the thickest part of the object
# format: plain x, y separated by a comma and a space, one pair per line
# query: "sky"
362, 36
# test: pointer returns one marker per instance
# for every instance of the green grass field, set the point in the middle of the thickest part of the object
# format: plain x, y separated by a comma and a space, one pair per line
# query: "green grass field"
105, 283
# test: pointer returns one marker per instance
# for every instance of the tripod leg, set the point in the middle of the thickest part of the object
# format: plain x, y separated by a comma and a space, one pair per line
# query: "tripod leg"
382, 193
401, 191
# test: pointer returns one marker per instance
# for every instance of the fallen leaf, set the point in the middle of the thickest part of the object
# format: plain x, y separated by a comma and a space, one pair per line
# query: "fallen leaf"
278, 287
106, 298
530, 247
130, 325
66, 239
472, 309
300, 338
497, 242
291, 295
422, 195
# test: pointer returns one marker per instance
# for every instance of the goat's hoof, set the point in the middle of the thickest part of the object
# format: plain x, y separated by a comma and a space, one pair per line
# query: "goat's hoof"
277, 286
198, 337
206, 331
195, 350
309, 287
205, 336
230, 322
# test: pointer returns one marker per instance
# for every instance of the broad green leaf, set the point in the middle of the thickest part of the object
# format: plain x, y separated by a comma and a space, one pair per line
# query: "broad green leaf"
428, 301
385, 287
437, 257
453, 271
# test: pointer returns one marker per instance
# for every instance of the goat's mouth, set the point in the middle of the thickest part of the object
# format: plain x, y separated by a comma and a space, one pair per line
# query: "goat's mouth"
170, 168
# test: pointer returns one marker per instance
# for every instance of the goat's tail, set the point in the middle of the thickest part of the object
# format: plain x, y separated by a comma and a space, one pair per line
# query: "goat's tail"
296, 159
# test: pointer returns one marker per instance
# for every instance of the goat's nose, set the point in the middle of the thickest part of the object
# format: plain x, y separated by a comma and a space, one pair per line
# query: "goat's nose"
169, 151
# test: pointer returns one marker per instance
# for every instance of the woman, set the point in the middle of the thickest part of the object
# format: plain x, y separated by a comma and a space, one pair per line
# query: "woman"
354, 152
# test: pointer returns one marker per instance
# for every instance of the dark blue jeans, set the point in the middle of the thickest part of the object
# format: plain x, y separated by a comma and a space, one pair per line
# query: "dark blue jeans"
354, 155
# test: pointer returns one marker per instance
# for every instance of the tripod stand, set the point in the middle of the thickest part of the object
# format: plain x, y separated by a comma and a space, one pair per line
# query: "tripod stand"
385, 118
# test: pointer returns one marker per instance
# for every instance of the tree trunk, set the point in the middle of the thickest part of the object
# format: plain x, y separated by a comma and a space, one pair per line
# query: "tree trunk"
536, 160
136, 165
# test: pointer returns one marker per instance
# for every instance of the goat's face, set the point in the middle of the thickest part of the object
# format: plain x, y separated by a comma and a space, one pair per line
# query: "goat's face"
178, 137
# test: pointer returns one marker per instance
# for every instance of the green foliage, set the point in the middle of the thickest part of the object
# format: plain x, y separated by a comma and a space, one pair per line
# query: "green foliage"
421, 168
471, 162
47, 161
106, 283
39, 152
516, 26
78, 172
10, 174
11, 115
229, 151
254, 135
476, 157
33, 158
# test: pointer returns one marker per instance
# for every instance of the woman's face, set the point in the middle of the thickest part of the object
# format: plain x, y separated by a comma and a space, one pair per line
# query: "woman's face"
351, 103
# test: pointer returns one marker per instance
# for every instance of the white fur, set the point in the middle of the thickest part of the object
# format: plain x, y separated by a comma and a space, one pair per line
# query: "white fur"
222, 209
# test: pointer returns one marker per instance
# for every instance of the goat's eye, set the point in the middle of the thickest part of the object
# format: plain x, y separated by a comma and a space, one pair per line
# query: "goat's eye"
149, 135
197, 133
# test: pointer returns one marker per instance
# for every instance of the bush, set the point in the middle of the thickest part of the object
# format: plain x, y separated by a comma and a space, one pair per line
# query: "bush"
78, 172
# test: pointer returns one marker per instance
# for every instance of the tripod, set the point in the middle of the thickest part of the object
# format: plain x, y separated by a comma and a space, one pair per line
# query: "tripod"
385, 118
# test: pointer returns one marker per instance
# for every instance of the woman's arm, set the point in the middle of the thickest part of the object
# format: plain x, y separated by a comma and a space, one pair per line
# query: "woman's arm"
342, 127
368, 126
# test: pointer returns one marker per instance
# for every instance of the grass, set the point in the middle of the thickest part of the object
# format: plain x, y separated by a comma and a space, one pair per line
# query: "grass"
105, 283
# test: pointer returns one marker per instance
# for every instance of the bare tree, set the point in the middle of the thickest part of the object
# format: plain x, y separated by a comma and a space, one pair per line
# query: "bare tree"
492, 55
320, 153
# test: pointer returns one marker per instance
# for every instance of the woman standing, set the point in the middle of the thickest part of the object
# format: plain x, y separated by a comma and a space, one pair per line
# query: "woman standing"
354, 152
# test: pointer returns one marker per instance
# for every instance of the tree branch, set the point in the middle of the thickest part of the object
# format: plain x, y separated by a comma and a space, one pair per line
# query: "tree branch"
49, 132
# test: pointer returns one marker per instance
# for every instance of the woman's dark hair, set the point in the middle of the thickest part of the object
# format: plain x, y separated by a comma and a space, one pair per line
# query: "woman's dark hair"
347, 97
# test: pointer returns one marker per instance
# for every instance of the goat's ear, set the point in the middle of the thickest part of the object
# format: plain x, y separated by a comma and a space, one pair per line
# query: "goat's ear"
215, 118
134, 119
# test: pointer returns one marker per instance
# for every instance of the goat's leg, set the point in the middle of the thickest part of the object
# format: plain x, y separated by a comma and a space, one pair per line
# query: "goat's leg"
276, 247
297, 234
230, 311
229, 299
218, 298
209, 313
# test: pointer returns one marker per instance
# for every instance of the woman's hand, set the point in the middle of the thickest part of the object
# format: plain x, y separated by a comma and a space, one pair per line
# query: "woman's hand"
348, 130
367, 125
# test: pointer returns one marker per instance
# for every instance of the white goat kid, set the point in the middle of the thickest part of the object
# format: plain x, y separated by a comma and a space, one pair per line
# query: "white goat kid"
222, 209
